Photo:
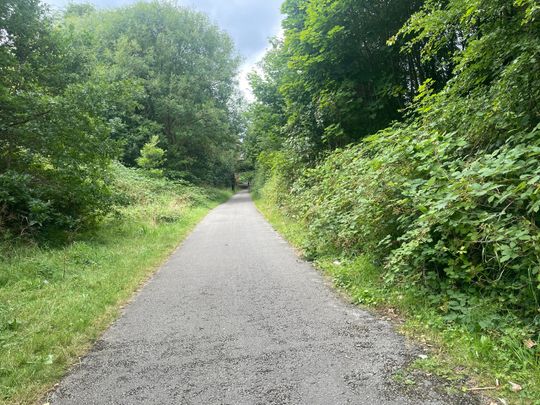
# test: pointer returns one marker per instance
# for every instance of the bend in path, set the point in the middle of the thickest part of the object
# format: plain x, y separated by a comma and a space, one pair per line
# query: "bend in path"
235, 317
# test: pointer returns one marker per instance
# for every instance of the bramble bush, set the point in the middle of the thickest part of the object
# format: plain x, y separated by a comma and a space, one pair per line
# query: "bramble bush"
446, 203
468, 225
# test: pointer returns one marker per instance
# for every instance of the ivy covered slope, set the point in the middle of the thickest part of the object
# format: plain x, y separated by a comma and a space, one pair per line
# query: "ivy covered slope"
444, 201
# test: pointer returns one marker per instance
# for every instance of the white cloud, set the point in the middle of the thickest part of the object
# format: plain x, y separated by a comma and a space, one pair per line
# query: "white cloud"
245, 70
251, 64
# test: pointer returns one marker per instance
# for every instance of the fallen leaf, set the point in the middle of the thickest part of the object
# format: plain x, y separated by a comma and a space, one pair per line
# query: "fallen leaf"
515, 387
423, 356
529, 344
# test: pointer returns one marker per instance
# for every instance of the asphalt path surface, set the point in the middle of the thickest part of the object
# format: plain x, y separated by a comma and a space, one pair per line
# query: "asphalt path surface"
236, 317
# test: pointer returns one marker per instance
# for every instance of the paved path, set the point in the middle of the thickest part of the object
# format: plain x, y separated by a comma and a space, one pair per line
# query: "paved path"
235, 317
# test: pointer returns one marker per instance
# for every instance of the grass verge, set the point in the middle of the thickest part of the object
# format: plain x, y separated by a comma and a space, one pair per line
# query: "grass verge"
55, 301
503, 369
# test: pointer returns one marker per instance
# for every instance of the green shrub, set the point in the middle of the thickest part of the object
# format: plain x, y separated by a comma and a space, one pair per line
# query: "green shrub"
452, 226
37, 199
273, 177
448, 202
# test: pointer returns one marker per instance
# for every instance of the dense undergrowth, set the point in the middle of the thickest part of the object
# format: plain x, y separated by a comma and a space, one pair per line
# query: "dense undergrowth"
461, 228
58, 293
467, 357
439, 213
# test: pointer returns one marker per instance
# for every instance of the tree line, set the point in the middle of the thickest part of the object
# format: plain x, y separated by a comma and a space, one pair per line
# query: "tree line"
150, 85
409, 131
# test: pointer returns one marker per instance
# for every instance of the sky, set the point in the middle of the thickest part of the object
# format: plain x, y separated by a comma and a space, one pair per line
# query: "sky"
250, 23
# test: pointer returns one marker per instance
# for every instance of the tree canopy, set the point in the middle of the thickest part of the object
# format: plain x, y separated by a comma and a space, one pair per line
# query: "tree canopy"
338, 79
92, 86
185, 68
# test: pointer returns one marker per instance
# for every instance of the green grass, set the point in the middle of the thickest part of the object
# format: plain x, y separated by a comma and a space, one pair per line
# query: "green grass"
291, 230
56, 301
469, 359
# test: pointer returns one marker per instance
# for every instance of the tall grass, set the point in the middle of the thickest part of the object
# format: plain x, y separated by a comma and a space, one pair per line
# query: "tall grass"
58, 295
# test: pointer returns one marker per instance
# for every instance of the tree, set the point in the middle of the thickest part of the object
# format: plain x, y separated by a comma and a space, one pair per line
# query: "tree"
54, 136
185, 67
266, 116
338, 79
152, 156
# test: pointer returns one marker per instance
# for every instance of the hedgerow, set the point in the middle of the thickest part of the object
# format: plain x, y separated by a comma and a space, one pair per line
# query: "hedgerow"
447, 202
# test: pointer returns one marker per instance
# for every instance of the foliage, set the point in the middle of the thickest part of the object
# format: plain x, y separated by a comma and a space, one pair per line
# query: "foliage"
468, 226
56, 298
185, 67
463, 357
446, 202
80, 91
152, 156
266, 116
333, 79
54, 145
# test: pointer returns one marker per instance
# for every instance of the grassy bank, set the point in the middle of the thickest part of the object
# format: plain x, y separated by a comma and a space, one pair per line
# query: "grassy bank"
57, 297
506, 366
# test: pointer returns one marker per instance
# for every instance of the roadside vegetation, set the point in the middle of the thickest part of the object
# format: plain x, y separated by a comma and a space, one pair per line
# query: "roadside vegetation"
118, 129
488, 364
401, 139
151, 85
59, 293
